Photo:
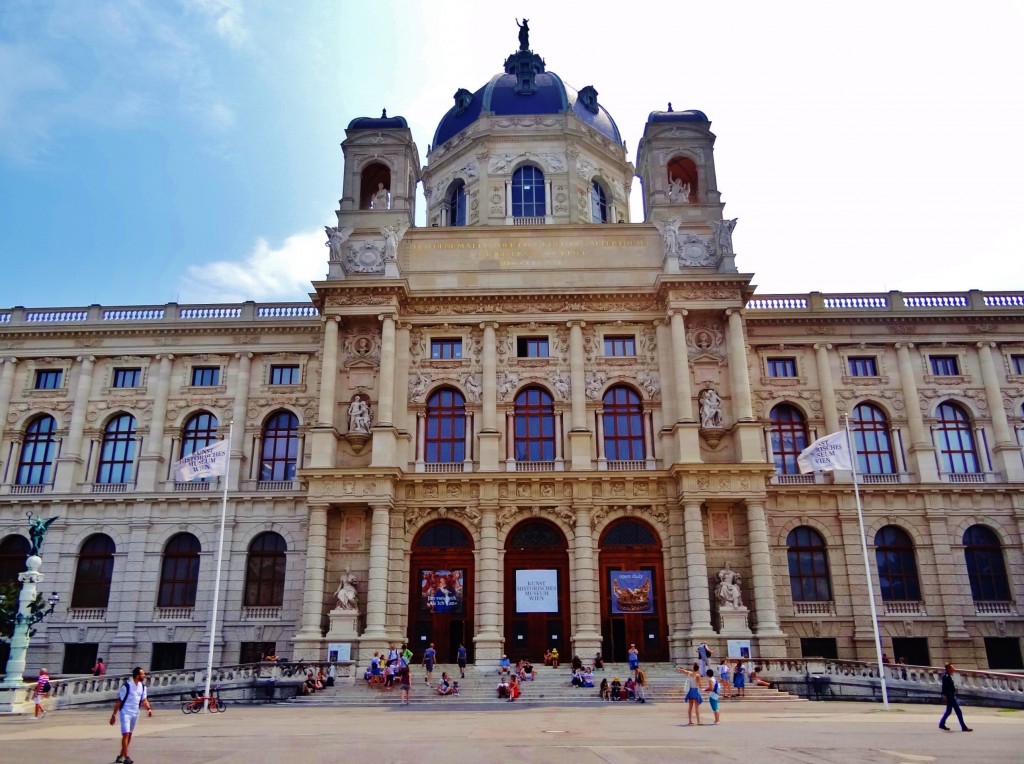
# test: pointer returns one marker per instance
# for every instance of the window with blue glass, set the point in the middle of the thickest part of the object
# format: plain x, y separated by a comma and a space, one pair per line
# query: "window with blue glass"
127, 377
37, 451
957, 452
1017, 364
265, 571
897, 568
200, 431
117, 452
863, 366
781, 367
945, 365
444, 348
179, 572
445, 440
532, 347
284, 374
623, 425
870, 429
620, 345
457, 204
808, 566
789, 437
205, 376
49, 379
528, 200
986, 567
535, 426
280, 451
94, 573
598, 203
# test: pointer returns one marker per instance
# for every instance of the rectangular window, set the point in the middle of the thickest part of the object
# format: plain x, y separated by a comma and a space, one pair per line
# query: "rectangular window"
127, 377
284, 375
205, 376
168, 656
1017, 364
945, 365
445, 348
863, 366
49, 379
620, 346
781, 367
532, 347
819, 647
80, 658
254, 652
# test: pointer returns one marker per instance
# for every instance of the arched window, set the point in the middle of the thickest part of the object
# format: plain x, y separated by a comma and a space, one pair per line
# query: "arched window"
94, 573
789, 437
683, 171
445, 440
443, 534
13, 553
897, 569
956, 441
264, 571
870, 430
808, 566
37, 451
985, 565
528, 200
598, 203
457, 204
117, 453
629, 533
375, 178
623, 425
280, 447
179, 574
535, 426
200, 431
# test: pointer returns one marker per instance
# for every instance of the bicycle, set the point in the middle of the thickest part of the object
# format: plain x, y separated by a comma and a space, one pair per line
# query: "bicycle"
195, 705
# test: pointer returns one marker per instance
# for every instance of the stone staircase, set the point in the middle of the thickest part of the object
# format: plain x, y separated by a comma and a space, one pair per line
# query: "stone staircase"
550, 688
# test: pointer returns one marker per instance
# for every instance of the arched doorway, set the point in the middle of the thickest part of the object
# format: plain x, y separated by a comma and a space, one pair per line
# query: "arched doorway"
536, 591
632, 592
441, 591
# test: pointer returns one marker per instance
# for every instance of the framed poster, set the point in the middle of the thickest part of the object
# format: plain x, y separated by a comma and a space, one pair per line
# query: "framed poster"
536, 591
339, 651
631, 591
442, 591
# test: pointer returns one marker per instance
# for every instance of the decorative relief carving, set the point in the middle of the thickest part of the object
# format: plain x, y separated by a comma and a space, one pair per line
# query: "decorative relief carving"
561, 384
595, 382
648, 380
362, 348
695, 251
508, 381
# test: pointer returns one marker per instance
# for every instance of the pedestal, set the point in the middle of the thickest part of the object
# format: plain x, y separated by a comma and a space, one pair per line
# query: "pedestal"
344, 629
733, 622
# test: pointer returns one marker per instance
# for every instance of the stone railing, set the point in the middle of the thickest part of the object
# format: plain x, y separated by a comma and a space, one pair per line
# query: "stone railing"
87, 614
261, 614
159, 314
889, 302
173, 613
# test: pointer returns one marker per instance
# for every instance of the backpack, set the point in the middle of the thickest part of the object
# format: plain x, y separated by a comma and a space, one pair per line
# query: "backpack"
126, 689
45, 686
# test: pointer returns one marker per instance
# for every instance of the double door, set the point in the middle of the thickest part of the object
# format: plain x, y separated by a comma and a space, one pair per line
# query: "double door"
537, 610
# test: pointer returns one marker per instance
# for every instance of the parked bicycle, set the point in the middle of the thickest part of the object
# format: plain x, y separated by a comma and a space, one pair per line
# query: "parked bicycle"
195, 705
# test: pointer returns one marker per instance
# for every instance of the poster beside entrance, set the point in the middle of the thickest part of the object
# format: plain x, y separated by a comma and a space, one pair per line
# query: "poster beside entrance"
631, 591
441, 591
536, 591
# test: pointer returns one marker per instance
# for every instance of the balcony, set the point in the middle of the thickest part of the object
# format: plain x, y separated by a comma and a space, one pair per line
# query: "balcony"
903, 607
277, 485
882, 479
261, 614
30, 490
173, 614
528, 221
825, 607
196, 487
533, 466
988, 607
443, 468
807, 479
965, 477
626, 465
81, 614
108, 487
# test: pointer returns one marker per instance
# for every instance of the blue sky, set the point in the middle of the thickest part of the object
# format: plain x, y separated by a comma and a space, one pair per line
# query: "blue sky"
188, 150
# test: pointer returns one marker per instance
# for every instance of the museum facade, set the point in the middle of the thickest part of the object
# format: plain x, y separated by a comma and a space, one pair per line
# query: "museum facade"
528, 424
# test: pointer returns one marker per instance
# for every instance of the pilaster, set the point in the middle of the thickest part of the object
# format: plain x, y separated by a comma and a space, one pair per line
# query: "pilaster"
922, 453
587, 639
70, 461
696, 570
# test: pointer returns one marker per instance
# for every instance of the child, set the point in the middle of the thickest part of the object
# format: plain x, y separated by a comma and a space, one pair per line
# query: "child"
40, 693
723, 677
405, 682
692, 687
715, 687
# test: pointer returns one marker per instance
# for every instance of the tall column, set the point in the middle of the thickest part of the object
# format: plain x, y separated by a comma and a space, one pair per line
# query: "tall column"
828, 390
681, 368
676, 575
697, 581
238, 409
7, 368
71, 459
761, 567
377, 588
921, 450
153, 458
579, 433
1007, 453
489, 435
488, 637
329, 373
738, 376
587, 639
385, 437
311, 631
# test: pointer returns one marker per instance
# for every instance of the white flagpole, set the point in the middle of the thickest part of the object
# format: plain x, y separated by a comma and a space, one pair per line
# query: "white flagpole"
867, 566
220, 558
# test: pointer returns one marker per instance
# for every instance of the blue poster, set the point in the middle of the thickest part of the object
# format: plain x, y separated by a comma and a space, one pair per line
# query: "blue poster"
631, 591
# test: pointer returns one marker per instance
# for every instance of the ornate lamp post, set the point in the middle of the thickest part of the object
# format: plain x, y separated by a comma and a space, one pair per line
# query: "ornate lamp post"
31, 608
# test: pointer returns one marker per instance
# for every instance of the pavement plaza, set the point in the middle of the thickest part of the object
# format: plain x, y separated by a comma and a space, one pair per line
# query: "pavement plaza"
625, 733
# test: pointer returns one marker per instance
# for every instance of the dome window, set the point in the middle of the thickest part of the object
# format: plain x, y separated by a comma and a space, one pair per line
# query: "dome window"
457, 204
528, 197
463, 98
589, 98
598, 203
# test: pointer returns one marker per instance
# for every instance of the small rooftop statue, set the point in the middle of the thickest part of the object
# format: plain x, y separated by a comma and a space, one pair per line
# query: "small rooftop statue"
524, 34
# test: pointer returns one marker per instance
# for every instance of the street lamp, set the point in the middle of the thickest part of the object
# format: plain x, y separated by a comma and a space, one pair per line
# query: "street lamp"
36, 611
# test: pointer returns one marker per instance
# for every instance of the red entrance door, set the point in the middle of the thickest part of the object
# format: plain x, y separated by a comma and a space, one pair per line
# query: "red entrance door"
633, 592
536, 591
441, 591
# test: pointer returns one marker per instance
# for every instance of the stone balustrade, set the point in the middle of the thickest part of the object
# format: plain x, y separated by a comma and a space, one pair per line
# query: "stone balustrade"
158, 314
890, 302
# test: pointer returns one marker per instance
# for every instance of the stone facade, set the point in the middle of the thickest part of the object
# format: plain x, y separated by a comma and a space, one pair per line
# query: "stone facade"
662, 379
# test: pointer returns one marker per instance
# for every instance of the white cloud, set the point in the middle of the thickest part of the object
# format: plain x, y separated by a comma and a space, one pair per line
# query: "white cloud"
265, 274
226, 16
30, 77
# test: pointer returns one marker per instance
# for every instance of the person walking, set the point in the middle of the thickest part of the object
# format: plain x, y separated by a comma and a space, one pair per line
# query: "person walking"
42, 689
100, 668
130, 698
405, 683
429, 658
692, 688
949, 695
641, 682
633, 656
703, 653
461, 660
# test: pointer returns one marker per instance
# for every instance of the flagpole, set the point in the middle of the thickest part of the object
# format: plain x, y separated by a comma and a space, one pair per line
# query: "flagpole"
867, 566
220, 558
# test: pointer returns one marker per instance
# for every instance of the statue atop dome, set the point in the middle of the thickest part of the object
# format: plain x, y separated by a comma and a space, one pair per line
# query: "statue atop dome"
524, 34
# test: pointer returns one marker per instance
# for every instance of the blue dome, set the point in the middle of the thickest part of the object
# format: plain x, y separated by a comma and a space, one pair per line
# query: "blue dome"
377, 123
499, 97
690, 115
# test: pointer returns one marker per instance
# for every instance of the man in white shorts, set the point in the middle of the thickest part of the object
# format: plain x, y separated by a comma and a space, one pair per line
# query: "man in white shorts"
130, 700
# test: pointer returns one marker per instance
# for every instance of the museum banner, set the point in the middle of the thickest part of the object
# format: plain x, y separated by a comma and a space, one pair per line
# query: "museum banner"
536, 591
631, 591
441, 591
